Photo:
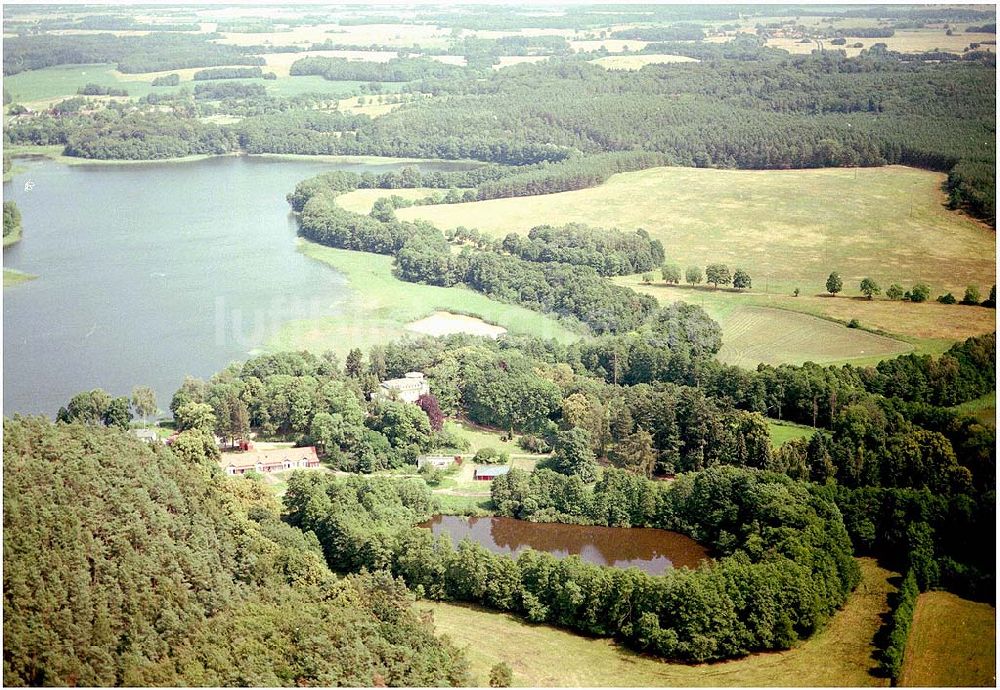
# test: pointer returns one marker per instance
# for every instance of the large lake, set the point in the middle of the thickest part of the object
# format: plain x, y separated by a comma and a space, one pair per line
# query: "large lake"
653, 551
150, 271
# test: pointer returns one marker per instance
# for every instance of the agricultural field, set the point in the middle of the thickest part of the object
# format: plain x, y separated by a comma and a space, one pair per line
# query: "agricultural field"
789, 229
381, 306
754, 335
612, 45
544, 656
633, 62
917, 41
952, 643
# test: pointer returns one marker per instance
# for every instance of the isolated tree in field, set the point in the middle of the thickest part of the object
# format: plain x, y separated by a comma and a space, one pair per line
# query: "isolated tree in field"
834, 284
919, 293
647, 278
869, 288
894, 291
144, 402
972, 295
501, 676
692, 275
795, 292
741, 279
671, 273
718, 274
947, 299
991, 301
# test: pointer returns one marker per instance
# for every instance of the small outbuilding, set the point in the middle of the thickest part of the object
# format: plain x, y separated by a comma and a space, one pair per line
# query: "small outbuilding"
438, 462
487, 473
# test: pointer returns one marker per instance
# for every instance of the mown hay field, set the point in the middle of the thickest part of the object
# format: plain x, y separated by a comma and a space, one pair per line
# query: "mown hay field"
952, 643
544, 656
754, 335
791, 225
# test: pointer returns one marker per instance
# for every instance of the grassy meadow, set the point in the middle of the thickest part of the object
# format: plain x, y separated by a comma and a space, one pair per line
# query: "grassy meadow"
752, 335
544, 656
789, 229
952, 643
906, 41
381, 305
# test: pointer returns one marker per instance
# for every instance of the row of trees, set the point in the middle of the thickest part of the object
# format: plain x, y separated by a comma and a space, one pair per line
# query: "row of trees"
918, 293
752, 599
395, 70
228, 73
716, 274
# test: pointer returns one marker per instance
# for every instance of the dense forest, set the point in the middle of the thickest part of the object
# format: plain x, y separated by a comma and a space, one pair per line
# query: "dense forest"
127, 564
149, 53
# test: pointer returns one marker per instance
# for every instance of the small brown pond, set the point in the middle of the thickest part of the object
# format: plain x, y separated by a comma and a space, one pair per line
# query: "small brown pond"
651, 550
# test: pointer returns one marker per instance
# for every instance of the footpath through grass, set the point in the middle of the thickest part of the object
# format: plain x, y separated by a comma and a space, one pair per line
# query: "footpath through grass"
544, 656
952, 643
380, 305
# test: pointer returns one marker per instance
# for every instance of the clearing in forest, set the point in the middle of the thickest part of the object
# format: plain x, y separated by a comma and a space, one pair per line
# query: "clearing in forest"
634, 62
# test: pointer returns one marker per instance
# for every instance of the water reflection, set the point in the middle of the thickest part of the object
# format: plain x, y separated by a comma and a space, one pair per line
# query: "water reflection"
651, 550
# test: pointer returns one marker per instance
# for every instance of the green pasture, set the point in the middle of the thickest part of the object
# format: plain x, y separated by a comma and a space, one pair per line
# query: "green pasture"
380, 306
